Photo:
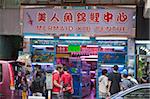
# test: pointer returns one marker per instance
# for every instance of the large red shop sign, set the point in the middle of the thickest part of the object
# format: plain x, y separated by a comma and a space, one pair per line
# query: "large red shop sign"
102, 21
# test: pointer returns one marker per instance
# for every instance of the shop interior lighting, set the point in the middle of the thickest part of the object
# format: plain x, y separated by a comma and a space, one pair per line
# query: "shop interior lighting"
142, 41
84, 72
111, 38
91, 56
41, 46
42, 63
89, 59
92, 80
111, 65
92, 46
42, 37
92, 72
72, 37
115, 47
63, 45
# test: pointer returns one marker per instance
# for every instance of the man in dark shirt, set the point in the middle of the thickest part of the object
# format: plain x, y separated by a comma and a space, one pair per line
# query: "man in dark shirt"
114, 79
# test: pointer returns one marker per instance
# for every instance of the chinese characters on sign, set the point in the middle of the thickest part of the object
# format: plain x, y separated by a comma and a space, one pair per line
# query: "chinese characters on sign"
82, 17
102, 21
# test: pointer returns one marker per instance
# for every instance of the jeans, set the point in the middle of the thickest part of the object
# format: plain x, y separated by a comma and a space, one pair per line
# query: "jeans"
67, 95
57, 96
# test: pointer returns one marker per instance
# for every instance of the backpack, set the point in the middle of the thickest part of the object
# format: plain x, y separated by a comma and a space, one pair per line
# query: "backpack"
132, 83
37, 86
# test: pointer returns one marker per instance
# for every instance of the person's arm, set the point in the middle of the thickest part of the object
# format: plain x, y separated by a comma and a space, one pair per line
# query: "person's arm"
109, 84
55, 79
120, 82
144, 80
56, 84
72, 91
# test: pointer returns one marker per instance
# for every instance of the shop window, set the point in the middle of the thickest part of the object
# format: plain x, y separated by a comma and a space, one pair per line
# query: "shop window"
1, 74
139, 94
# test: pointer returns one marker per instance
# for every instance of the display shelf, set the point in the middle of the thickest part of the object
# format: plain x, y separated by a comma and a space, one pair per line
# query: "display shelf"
43, 52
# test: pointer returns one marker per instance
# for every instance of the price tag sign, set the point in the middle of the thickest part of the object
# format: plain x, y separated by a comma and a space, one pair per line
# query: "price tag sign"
74, 48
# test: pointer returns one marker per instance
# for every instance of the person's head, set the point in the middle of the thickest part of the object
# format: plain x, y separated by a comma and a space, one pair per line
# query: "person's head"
19, 73
38, 67
125, 75
104, 71
65, 68
38, 74
115, 67
59, 67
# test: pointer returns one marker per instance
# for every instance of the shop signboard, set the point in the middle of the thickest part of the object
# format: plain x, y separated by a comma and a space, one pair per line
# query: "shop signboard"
110, 21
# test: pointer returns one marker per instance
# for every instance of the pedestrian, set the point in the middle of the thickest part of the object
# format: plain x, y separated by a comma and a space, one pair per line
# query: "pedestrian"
18, 80
131, 78
67, 84
114, 80
37, 85
29, 82
145, 78
125, 83
24, 87
103, 85
57, 85
37, 68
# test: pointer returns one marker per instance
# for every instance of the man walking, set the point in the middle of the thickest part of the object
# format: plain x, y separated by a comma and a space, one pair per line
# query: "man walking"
67, 84
57, 86
114, 80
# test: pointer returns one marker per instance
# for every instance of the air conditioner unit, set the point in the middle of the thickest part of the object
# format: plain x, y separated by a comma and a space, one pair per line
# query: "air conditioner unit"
72, 1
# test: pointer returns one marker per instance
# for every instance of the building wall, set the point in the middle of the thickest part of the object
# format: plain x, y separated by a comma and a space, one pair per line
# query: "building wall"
142, 24
10, 21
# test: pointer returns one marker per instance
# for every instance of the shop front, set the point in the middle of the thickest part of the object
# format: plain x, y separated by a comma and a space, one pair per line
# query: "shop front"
86, 41
143, 60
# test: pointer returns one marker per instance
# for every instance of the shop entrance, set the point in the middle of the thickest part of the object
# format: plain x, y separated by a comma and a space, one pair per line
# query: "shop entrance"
85, 58
81, 61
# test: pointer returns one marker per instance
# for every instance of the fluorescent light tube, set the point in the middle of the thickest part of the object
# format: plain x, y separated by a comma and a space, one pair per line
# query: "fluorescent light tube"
89, 59
142, 41
92, 46
44, 37
74, 37
41, 46
42, 63
111, 65
115, 47
63, 45
111, 38
91, 56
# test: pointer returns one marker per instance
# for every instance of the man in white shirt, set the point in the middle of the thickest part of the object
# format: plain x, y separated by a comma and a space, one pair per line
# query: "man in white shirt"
103, 84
